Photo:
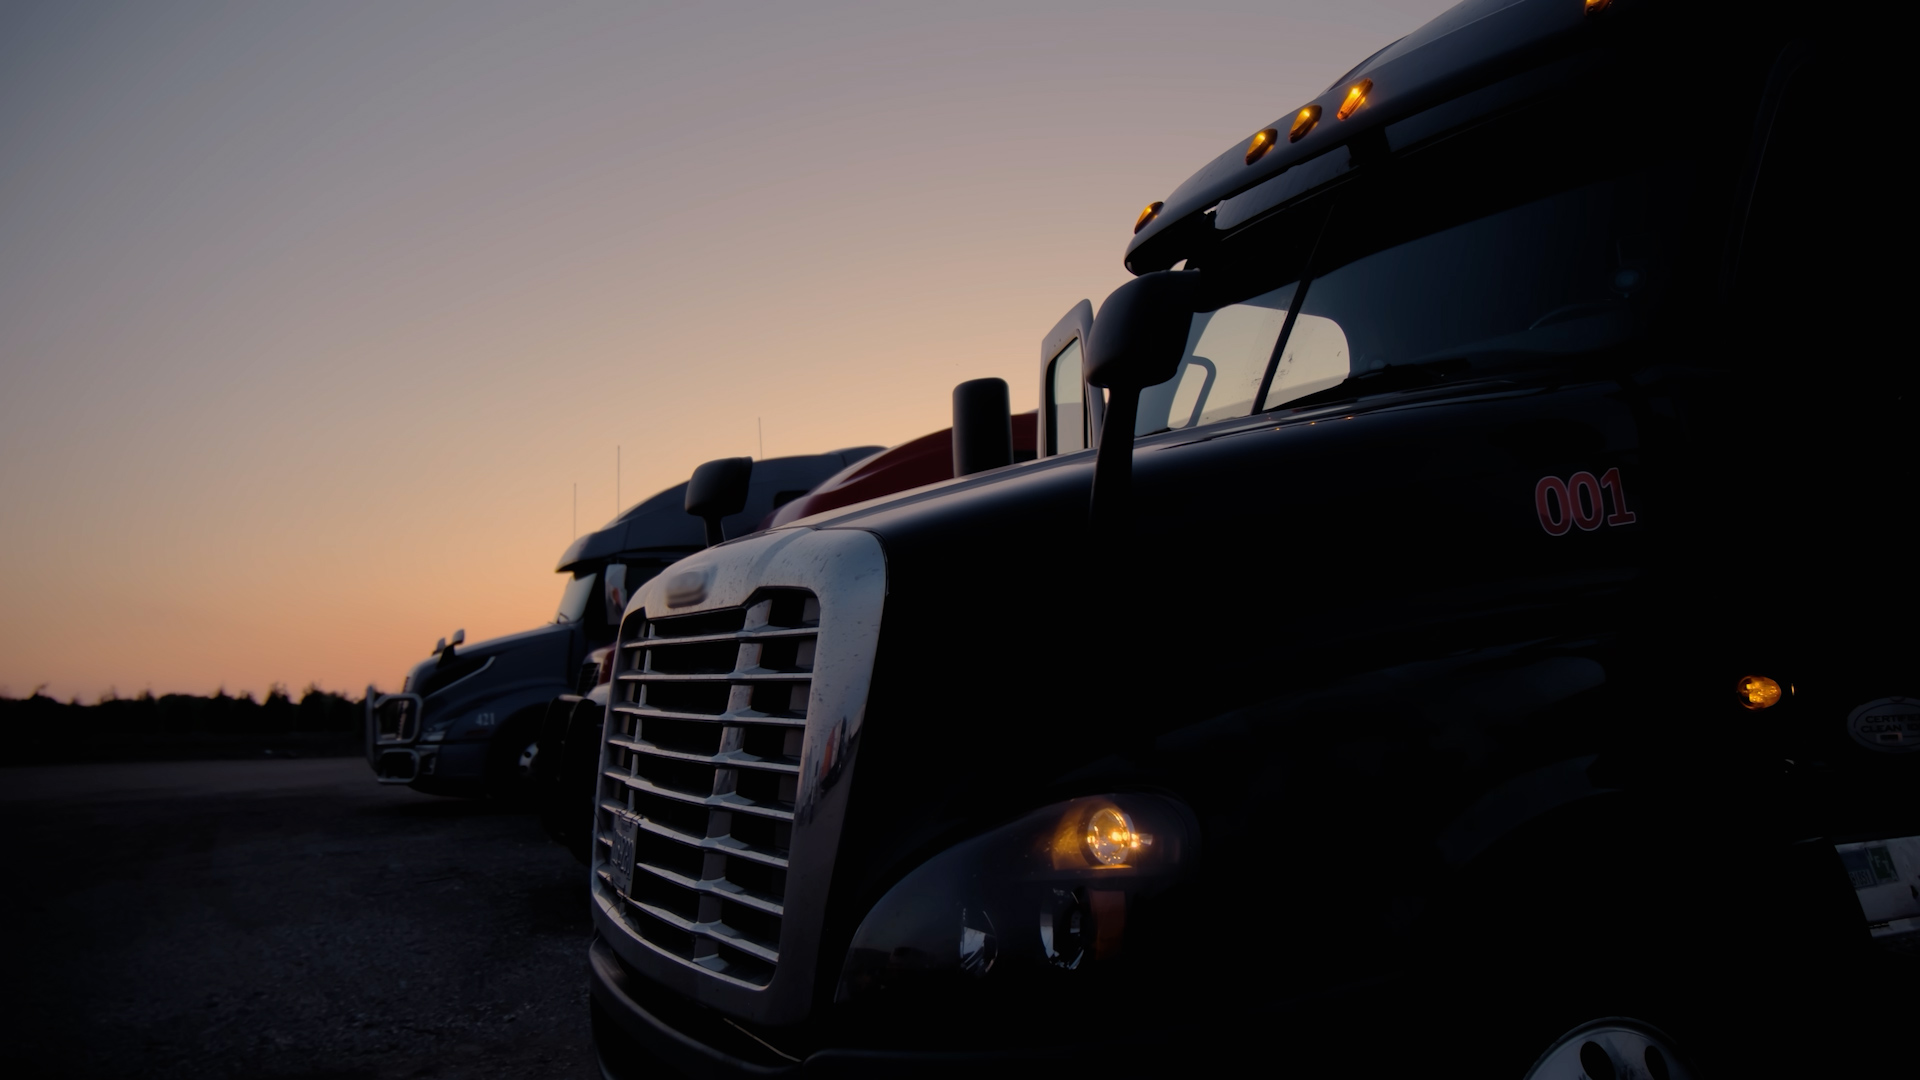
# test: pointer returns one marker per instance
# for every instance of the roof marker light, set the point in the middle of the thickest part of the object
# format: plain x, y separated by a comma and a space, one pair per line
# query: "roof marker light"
1152, 211
1261, 143
1596, 5
1356, 97
1303, 122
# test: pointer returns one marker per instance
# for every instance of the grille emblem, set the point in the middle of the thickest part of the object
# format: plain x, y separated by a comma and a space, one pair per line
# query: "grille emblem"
686, 587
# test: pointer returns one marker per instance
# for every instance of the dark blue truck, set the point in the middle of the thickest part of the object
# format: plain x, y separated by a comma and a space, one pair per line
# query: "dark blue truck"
466, 720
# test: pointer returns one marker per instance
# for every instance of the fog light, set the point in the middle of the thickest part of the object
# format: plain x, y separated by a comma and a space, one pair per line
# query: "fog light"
1759, 692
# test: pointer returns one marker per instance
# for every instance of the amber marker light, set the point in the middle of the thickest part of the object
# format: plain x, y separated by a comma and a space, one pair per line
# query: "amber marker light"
1303, 123
1152, 211
1261, 143
1759, 692
1356, 97
1596, 5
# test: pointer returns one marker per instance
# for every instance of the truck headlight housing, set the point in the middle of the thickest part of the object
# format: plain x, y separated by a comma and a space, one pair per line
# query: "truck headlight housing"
1059, 890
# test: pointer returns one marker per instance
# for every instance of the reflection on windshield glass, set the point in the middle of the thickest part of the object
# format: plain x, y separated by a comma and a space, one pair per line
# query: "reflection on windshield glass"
1067, 424
1227, 355
1315, 359
573, 601
1561, 274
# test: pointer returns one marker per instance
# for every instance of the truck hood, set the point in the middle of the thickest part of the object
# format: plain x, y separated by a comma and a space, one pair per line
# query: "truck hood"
542, 652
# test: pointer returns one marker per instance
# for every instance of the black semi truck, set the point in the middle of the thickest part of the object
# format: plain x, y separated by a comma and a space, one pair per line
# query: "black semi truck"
1478, 643
567, 759
466, 720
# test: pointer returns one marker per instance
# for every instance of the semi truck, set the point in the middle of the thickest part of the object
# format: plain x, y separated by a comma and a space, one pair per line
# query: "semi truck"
1471, 639
568, 757
466, 719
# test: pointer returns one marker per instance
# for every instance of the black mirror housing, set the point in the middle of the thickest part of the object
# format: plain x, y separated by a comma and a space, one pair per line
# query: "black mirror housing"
1141, 332
718, 489
1137, 341
982, 426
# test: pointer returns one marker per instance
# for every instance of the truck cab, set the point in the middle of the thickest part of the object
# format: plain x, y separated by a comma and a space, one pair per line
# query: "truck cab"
466, 721
573, 728
1469, 639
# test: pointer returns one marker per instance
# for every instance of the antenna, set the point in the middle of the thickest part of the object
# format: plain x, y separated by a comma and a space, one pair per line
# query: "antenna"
616, 479
761, 430
576, 509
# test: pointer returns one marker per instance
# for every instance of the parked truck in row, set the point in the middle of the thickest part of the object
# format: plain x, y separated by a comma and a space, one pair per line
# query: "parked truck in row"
1467, 635
571, 734
466, 719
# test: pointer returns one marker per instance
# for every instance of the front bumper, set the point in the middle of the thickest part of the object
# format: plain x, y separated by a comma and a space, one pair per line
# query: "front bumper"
637, 1027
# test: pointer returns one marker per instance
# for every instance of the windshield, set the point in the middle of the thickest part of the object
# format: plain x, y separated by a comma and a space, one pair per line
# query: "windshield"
1574, 272
1520, 245
573, 601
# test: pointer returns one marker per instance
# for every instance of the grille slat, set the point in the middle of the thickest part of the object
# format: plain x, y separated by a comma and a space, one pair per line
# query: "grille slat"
726, 890
717, 802
729, 845
732, 678
740, 716
736, 759
708, 718
717, 930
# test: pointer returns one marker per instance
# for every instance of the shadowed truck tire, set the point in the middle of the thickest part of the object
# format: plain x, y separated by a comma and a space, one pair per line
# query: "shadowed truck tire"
546, 770
566, 767
1627, 931
579, 770
511, 758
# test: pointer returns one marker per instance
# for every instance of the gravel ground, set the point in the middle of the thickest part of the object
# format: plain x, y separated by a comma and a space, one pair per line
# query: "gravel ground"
282, 919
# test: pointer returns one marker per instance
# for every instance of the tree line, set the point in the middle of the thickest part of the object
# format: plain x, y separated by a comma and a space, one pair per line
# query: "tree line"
39, 728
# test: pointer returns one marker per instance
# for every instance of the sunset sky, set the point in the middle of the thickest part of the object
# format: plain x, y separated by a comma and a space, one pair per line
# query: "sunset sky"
312, 314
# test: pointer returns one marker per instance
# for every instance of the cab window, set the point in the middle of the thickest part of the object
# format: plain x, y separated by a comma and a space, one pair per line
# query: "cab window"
1228, 350
573, 600
1066, 402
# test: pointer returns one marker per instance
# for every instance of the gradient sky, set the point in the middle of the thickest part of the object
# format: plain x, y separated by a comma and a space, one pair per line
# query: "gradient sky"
311, 315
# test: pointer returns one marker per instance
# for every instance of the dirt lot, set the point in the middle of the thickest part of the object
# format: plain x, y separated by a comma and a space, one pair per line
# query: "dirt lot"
282, 919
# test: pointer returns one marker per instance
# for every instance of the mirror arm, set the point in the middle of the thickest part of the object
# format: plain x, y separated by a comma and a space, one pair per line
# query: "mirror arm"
1108, 508
714, 535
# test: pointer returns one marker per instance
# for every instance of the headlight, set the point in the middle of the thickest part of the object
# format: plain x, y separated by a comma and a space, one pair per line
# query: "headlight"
1059, 890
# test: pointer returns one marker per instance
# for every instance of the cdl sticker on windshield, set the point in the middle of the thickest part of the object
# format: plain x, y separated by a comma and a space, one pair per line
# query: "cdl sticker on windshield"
1885, 875
614, 579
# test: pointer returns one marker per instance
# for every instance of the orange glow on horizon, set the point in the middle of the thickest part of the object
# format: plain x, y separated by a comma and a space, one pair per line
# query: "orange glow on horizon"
312, 317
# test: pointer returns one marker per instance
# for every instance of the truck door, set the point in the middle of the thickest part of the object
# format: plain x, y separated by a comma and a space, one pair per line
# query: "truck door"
1070, 410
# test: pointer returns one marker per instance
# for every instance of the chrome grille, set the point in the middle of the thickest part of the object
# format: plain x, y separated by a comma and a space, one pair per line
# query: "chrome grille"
701, 774
396, 719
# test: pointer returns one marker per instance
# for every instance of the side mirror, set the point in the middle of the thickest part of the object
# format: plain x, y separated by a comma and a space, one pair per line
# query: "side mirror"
459, 637
982, 426
718, 489
1137, 341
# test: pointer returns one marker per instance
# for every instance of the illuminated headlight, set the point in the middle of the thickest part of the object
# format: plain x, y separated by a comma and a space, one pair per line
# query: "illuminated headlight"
1061, 889
1111, 840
